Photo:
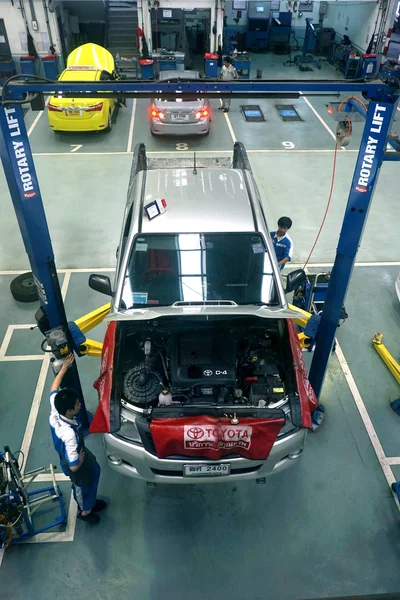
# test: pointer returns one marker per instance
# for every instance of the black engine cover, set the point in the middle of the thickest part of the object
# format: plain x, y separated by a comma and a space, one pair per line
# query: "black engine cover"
203, 358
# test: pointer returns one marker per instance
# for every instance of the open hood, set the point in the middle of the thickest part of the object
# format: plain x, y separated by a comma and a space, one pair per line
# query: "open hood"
191, 310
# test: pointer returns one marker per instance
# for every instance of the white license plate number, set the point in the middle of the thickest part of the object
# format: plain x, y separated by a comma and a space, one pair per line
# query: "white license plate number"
180, 117
73, 113
206, 470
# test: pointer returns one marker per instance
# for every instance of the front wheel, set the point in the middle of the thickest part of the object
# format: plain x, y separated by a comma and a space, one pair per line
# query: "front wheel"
109, 123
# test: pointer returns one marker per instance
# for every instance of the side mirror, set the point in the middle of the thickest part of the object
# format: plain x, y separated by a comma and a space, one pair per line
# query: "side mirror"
294, 280
101, 283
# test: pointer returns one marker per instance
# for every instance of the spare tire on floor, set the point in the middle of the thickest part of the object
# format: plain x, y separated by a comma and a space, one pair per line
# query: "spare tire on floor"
23, 288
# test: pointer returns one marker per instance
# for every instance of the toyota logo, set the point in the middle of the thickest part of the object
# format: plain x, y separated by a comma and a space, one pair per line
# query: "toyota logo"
208, 372
196, 433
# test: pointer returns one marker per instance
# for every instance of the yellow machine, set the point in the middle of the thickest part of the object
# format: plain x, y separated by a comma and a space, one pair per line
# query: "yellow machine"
89, 62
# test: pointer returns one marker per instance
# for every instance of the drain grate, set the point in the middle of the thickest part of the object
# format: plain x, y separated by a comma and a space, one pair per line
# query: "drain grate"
287, 112
252, 113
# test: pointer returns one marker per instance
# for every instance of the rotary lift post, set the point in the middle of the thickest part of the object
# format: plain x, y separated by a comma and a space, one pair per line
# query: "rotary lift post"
24, 188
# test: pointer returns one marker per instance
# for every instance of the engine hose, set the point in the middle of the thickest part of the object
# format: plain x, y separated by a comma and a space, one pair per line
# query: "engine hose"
42, 346
164, 366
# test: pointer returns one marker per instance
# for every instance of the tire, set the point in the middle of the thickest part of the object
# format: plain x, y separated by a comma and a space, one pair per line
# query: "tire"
23, 288
109, 126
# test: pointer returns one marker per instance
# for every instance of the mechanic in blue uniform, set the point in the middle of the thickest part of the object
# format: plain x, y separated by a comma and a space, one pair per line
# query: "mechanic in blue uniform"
283, 242
77, 462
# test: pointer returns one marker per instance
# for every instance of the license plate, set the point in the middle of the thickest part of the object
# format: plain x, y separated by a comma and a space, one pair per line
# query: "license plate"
206, 470
180, 117
73, 113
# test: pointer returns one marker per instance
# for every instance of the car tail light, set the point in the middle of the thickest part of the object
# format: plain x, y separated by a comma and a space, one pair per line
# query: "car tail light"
157, 114
94, 108
55, 108
202, 113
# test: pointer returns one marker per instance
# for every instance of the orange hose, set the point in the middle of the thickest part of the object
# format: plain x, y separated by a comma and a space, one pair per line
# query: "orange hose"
327, 206
352, 98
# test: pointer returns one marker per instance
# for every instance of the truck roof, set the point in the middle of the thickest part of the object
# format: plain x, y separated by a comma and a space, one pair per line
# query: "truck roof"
213, 200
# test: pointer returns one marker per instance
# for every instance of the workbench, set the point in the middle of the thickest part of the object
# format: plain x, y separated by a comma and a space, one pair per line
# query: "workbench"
347, 60
242, 64
127, 67
168, 61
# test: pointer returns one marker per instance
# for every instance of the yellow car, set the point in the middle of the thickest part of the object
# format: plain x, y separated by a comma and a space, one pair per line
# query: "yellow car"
89, 62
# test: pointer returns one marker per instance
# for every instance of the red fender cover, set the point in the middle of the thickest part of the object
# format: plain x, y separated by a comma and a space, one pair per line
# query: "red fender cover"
308, 399
105, 417
214, 438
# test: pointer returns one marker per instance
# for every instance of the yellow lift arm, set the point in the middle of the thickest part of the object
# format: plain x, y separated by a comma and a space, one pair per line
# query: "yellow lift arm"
385, 355
88, 322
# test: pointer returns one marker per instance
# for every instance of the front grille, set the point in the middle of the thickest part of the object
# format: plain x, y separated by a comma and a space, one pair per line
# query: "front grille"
180, 474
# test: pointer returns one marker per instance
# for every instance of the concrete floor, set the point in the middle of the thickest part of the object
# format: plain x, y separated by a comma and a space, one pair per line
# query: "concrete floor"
328, 528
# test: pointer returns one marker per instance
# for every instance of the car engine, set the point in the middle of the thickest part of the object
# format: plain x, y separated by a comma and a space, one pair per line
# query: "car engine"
215, 367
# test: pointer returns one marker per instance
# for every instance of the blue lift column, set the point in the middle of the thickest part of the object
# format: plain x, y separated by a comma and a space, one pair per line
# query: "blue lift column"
371, 154
20, 172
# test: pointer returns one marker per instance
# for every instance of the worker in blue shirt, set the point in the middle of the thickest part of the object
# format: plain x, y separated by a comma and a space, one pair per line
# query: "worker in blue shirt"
77, 462
283, 242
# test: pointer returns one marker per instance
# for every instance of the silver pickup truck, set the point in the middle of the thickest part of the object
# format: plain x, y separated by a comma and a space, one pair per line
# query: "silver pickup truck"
202, 378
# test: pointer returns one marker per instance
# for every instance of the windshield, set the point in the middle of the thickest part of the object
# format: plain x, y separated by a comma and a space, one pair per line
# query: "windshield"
167, 268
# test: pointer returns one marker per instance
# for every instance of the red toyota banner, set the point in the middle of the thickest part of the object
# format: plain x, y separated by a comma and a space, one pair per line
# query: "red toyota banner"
103, 420
308, 399
211, 437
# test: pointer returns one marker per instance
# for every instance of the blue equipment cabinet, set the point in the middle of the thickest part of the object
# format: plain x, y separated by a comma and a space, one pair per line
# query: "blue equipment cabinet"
258, 26
7, 69
211, 65
27, 64
368, 65
50, 66
280, 31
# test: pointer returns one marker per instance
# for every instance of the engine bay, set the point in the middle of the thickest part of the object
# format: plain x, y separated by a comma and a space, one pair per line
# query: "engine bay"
200, 364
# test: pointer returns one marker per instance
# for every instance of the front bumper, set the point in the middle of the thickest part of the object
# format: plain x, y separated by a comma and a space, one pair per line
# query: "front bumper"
201, 127
136, 462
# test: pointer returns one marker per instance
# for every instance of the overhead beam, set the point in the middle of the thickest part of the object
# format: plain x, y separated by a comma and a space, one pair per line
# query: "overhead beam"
16, 89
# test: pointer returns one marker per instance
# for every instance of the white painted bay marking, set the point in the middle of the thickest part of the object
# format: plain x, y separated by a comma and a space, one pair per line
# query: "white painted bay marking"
320, 119
131, 126
383, 461
35, 122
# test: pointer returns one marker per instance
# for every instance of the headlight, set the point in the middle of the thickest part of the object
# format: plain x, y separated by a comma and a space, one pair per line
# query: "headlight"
129, 431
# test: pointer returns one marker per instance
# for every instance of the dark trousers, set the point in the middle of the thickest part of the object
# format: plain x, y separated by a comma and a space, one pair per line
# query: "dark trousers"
85, 495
